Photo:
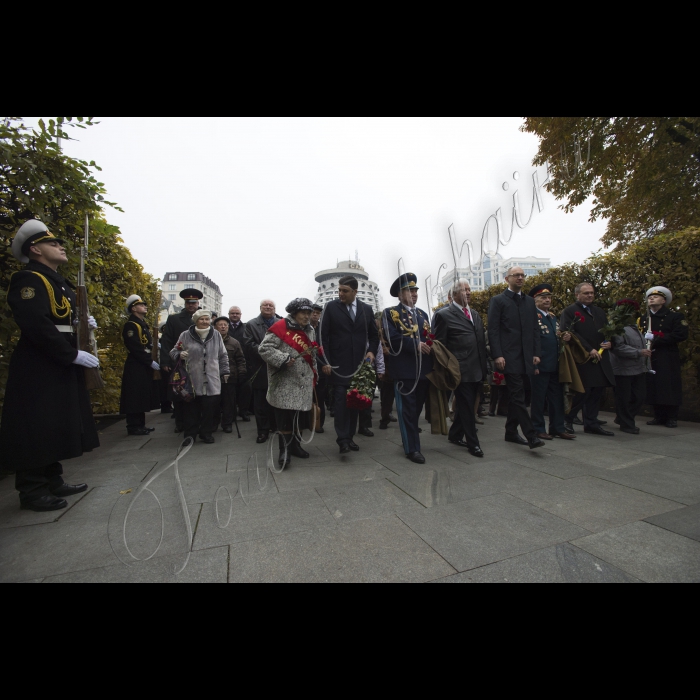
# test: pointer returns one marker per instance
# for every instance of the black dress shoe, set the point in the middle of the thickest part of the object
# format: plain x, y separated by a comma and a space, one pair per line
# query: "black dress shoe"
367, 433
332, 414
617, 421
320, 431
577, 421
492, 415
393, 419
517, 440
245, 419
296, 450
262, 439
138, 432
353, 446
383, 426
345, 449
673, 424
599, 431
569, 429
47, 504
477, 452
631, 431
535, 443
602, 422
227, 429
151, 430
655, 422
65, 491
179, 428
416, 458
459, 443
207, 439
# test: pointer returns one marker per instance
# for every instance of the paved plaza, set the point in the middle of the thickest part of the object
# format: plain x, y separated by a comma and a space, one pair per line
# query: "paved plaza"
601, 510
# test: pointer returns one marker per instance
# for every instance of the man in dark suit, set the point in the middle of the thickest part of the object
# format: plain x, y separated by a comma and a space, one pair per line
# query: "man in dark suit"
584, 320
411, 362
349, 337
244, 392
254, 334
514, 337
461, 330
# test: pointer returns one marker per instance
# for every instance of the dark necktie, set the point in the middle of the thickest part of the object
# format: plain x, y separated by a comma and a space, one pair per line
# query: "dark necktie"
351, 309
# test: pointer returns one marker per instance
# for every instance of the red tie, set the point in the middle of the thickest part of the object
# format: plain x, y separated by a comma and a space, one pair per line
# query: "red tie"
468, 315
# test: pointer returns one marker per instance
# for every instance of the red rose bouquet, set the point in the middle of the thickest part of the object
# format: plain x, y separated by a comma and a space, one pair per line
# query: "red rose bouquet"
361, 394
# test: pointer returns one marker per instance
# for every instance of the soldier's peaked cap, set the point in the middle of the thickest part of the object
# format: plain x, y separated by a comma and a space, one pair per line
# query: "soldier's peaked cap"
407, 281
31, 233
132, 301
192, 295
541, 290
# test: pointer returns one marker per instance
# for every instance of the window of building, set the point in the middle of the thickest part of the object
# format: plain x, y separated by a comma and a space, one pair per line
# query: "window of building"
171, 297
191, 277
173, 287
173, 277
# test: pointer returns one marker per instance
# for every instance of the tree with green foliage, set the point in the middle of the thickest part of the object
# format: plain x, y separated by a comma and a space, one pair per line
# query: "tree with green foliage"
642, 172
37, 180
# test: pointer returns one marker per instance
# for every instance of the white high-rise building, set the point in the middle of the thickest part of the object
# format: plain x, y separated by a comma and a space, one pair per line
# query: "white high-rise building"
176, 282
492, 270
328, 281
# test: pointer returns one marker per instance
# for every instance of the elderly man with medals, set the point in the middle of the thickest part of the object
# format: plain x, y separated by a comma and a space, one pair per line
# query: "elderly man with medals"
138, 390
409, 340
547, 389
47, 416
665, 330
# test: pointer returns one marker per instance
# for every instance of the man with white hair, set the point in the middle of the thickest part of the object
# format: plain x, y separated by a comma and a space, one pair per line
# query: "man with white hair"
257, 369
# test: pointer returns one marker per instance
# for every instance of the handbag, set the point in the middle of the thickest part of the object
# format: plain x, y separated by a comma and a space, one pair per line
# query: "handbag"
181, 383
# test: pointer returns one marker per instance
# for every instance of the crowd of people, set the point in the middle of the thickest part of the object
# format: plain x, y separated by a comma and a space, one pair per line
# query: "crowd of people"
288, 372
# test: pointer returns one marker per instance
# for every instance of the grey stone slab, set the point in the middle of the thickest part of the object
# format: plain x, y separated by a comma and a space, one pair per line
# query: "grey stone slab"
129, 444
560, 564
260, 518
595, 504
648, 553
673, 447
660, 479
240, 462
370, 499
441, 487
554, 464
207, 566
381, 550
122, 477
300, 477
399, 464
684, 522
487, 530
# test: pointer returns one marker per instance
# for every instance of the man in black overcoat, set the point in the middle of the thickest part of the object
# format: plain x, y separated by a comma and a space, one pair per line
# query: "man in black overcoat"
514, 338
668, 330
322, 383
460, 329
139, 393
347, 331
244, 391
47, 416
174, 328
584, 320
254, 334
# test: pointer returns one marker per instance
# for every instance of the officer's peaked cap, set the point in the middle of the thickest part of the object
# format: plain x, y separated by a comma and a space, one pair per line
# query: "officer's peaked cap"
407, 281
541, 290
31, 233
663, 292
132, 301
192, 295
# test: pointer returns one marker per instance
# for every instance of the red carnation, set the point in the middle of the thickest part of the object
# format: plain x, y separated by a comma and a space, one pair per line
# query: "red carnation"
498, 378
580, 317
658, 334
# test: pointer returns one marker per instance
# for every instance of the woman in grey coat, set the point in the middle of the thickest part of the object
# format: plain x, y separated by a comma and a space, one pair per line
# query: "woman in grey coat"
202, 349
289, 349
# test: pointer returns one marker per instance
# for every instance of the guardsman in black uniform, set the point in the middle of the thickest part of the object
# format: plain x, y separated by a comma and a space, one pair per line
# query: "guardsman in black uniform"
174, 328
138, 390
668, 329
546, 388
47, 417
411, 362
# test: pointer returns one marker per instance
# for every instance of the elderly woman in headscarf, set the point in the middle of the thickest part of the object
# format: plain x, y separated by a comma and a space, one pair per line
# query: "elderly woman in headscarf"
289, 349
206, 360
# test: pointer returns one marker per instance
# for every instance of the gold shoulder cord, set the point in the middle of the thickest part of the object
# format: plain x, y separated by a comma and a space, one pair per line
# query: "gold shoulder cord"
142, 337
60, 312
408, 332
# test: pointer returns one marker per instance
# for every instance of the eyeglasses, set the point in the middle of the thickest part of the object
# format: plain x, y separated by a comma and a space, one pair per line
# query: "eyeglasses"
519, 276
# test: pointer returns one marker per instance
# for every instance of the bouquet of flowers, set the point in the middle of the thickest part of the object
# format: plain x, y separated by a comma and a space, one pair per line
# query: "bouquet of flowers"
428, 338
623, 315
361, 392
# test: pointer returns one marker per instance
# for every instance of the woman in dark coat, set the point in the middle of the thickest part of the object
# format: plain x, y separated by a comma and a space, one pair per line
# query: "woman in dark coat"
665, 330
139, 393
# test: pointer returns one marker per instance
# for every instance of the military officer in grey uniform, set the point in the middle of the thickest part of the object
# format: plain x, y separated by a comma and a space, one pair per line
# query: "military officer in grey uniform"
47, 416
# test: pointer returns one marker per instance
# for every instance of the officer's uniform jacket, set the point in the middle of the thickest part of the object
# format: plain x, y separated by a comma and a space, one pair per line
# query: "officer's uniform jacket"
407, 329
139, 394
47, 415
549, 340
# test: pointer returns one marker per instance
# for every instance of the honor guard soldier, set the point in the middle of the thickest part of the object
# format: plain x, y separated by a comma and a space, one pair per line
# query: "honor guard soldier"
411, 362
139, 393
174, 328
47, 417
665, 330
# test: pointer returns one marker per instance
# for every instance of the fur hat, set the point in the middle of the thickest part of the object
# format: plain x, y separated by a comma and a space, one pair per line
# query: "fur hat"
299, 305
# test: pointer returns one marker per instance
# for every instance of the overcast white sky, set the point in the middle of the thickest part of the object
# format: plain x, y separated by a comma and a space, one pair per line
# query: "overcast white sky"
260, 204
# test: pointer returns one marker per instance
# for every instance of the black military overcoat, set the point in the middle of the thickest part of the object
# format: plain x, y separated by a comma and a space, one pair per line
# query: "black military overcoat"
47, 416
665, 388
139, 393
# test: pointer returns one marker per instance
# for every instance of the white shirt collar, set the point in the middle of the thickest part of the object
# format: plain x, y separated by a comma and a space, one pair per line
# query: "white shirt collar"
461, 308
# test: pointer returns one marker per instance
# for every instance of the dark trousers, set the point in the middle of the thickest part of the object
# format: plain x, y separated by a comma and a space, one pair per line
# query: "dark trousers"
264, 413
388, 396
666, 414
345, 418
166, 404
322, 396
464, 427
499, 400
37, 482
630, 393
244, 396
179, 413
135, 420
548, 392
366, 419
410, 409
590, 402
518, 415
201, 415
228, 405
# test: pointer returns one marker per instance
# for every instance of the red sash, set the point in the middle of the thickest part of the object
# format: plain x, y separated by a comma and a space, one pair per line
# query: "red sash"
297, 340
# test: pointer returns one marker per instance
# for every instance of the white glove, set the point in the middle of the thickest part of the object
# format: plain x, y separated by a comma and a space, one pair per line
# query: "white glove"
92, 324
160, 347
226, 377
155, 366
85, 359
184, 355
650, 336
